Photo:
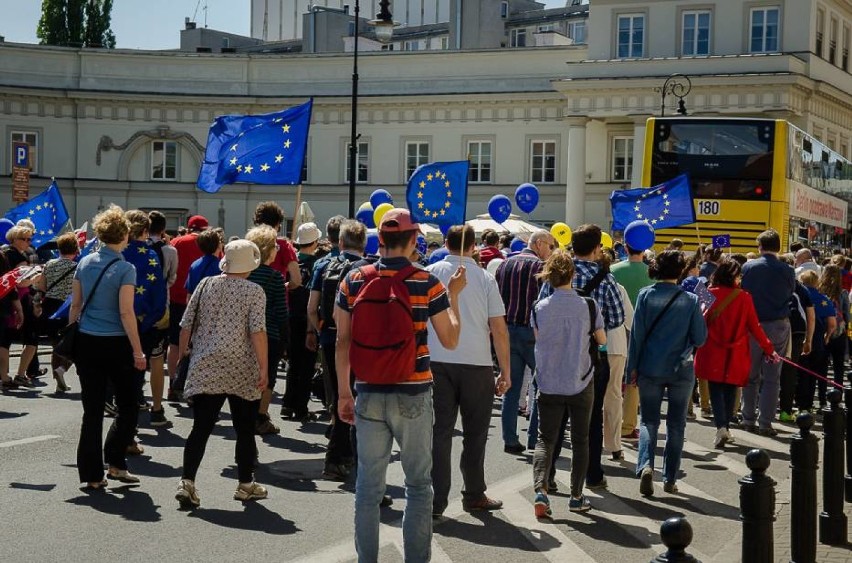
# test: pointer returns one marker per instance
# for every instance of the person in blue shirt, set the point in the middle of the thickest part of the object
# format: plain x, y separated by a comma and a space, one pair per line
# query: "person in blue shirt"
210, 244
824, 326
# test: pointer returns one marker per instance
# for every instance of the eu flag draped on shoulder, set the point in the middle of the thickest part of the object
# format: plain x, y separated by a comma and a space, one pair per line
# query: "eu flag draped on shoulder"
666, 205
256, 149
47, 211
437, 193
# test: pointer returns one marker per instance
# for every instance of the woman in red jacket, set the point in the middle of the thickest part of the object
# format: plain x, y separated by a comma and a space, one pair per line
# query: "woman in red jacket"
725, 359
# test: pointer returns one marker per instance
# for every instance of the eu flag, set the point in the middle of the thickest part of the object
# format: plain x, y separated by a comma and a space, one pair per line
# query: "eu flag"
437, 193
666, 205
47, 212
257, 149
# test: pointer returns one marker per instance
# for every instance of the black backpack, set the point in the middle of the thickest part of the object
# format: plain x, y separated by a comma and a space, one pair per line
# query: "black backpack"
335, 271
157, 246
297, 300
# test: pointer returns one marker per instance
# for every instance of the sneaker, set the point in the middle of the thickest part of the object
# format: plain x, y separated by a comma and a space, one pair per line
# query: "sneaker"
9, 384
250, 491
602, 484
632, 437
721, 438
670, 487
335, 472
144, 406
110, 409
159, 420
646, 482
690, 414
264, 425
482, 504
542, 506
579, 504
706, 412
729, 435
768, 431
749, 427
516, 449
786, 417
23, 381
187, 495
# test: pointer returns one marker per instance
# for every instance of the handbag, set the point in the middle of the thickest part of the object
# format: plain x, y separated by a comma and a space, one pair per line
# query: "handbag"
183, 364
66, 345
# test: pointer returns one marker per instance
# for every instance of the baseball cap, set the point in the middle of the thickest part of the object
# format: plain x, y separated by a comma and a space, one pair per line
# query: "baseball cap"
398, 220
197, 223
307, 233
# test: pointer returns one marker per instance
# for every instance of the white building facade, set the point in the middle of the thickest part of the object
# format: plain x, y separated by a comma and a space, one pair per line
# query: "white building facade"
129, 127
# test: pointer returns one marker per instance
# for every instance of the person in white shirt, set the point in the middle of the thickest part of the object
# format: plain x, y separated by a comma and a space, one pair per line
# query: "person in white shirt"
464, 377
805, 262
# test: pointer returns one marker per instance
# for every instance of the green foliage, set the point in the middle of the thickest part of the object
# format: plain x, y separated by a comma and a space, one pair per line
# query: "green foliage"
76, 23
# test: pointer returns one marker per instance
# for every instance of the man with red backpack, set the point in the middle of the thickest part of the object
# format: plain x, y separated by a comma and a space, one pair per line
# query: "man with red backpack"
381, 316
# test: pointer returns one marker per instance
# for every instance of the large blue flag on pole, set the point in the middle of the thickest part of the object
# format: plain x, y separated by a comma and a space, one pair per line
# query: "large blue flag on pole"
47, 211
437, 193
256, 149
666, 205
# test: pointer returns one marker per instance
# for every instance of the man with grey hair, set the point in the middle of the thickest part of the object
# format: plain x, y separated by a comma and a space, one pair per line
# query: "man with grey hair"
352, 238
805, 262
519, 287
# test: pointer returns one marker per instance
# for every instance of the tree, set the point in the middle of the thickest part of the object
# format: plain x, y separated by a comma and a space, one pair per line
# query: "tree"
76, 23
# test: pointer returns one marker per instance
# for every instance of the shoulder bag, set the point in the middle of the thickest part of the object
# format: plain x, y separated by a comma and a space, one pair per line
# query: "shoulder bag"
66, 345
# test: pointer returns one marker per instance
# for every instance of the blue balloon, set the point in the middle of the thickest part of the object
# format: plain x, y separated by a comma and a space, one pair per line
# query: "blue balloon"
439, 255
639, 235
366, 216
526, 196
517, 245
421, 244
500, 207
5, 225
379, 197
372, 244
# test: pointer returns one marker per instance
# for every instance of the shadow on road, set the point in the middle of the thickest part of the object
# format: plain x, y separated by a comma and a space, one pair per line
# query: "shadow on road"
598, 527
493, 531
5, 415
30, 487
127, 502
254, 517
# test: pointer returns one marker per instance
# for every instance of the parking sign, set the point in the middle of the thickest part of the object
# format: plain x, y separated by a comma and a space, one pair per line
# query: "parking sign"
22, 155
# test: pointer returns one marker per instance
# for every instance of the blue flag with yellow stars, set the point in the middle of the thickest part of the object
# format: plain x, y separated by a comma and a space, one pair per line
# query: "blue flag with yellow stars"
437, 193
47, 212
150, 294
256, 149
666, 205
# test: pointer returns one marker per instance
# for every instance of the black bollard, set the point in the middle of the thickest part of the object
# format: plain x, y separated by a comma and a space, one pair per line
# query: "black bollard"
676, 534
832, 520
757, 509
847, 400
804, 460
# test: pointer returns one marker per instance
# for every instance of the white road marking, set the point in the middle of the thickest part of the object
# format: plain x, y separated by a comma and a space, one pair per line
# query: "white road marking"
32, 440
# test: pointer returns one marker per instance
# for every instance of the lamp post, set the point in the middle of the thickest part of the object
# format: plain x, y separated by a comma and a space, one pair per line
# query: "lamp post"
678, 85
383, 25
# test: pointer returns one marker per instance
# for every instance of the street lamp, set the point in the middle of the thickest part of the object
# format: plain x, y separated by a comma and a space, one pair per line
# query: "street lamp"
678, 85
383, 25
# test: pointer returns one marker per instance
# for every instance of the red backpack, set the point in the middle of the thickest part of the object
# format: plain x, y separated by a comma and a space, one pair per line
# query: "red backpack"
383, 348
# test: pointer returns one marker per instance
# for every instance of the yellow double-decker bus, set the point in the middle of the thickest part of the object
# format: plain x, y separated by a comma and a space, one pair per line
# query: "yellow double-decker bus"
748, 175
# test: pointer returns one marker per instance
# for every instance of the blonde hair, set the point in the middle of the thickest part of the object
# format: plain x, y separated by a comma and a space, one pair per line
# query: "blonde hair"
110, 226
559, 269
18, 232
265, 238
809, 278
138, 222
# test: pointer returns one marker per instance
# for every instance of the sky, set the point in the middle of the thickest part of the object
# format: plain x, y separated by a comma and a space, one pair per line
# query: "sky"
144, 24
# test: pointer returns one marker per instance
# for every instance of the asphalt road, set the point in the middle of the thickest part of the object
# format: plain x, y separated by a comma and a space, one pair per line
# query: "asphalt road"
46, 517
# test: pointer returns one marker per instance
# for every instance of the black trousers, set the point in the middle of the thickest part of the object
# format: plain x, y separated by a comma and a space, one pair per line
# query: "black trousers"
790, 375
469, 390
301, 368
206, 410
340, 449
595, 473
817, 362
105, 360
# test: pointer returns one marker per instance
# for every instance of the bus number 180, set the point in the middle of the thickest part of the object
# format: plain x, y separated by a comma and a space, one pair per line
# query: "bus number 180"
708, 207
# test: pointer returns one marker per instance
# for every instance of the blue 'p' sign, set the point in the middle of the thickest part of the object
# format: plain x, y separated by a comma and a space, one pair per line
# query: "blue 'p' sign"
721, 241
22, 155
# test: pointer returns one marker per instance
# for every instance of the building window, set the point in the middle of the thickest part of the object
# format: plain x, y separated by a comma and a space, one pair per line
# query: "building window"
631, 36
844, 57
545, 28
832, 41
764, 29
504, 10
164, 160
445, 43
362, 175
820, 32
416, 154
577, 32
518, 37
479, 154
543, 161
622, 159
350, 29
387, 47
30, 138
411, 45
696, 33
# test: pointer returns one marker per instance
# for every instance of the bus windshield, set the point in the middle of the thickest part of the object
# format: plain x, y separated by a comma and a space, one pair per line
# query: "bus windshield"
729, 159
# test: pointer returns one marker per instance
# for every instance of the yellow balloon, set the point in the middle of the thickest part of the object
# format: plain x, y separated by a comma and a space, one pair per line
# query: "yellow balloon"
380, 212
365, 205
606, 240
562, 233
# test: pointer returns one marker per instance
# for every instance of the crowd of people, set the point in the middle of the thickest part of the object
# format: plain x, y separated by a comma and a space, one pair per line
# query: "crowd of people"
585, 338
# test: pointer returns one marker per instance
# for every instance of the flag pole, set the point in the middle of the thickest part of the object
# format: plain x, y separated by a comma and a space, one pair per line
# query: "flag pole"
296, 212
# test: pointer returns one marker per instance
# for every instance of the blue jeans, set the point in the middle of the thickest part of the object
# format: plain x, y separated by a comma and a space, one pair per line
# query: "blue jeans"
381, 418
522, 354
678, 387
722, 396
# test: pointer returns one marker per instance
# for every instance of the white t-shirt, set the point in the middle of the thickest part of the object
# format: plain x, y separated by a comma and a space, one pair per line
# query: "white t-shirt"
479, 301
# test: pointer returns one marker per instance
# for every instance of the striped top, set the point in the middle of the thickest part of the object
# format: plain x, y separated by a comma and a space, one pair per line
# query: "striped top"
516, 278
272, 283
428, 298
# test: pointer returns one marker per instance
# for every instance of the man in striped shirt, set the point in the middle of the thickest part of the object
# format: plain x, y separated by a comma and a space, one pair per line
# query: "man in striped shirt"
400, 411
519, 289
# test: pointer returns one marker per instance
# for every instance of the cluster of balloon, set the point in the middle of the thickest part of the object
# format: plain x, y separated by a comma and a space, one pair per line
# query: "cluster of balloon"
372, 247
526, 196
5, 225
439, 255
365, 215
517, 245
606, 240
371, 212
562, 233
639, 235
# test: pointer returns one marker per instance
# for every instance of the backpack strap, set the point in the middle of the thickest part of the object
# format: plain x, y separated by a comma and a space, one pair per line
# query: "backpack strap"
369, 272
715, 313
590, 303
405, 273
593, 284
